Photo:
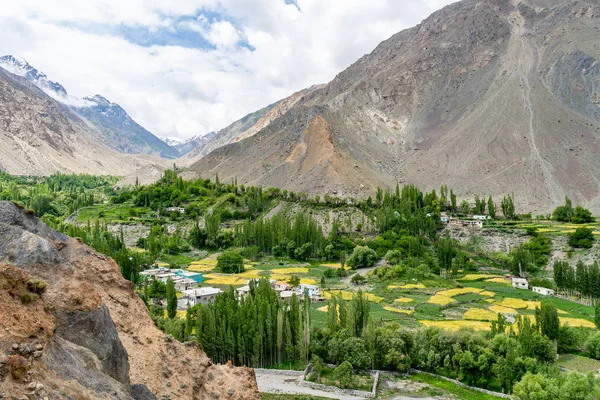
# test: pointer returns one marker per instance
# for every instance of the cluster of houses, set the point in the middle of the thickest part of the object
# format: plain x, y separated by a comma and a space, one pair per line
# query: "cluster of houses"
183, 280
522, 283
475, 221
180, 210
187, 283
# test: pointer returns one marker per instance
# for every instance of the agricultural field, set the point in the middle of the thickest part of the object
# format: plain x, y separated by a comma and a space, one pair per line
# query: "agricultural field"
574, 362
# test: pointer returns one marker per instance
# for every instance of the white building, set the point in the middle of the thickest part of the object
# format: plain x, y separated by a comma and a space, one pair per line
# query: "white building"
520, 283
185, 284
543, 291
180, 210
481, 217
203, 295
313, 290
151, 273
445, 219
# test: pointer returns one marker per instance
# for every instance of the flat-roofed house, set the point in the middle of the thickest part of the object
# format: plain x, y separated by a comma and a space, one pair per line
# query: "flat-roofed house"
543, 291
520, 283
205, 295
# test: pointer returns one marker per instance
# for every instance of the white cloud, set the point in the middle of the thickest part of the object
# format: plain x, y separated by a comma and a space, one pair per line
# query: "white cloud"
180, 91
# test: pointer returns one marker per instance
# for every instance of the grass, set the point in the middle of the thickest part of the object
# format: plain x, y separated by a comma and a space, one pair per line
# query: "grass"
272, 396
458, 391
578, 363
360, 381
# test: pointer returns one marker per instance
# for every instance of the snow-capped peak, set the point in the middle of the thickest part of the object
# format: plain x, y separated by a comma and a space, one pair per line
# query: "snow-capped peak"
19, 66
172, 141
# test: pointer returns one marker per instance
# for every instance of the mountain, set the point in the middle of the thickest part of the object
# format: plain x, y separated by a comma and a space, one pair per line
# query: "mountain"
110, 123
19, 66
40, 136
487, 96
119, 131
73, 328
241, 129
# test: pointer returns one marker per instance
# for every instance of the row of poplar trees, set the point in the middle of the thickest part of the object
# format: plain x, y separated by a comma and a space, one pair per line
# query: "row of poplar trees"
258, 330
582, 280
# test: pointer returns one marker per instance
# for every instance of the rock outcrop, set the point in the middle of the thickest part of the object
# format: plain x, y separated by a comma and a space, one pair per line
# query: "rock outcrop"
73, 328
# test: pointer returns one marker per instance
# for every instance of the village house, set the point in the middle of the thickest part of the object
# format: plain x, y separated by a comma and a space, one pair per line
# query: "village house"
180, 210
520, 283
205, 295
182, 284
196, 276
151, 273
481, 217
444, 218
313, 290
543, 291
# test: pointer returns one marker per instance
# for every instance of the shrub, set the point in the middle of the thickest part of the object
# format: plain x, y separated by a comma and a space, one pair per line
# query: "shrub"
230, 262
344, 373
357, 279
36, 286
28, 298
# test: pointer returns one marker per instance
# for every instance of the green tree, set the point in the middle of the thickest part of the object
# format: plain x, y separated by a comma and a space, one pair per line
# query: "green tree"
171, 299
582, 238
294, 281
576, 386
317, 367
597, 314
582, 216
230, 262
362, 257
491, 207
563, 213
535, 387
546, 317
344, 374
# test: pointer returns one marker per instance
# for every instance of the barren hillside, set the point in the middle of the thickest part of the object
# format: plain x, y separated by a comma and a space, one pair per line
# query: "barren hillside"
489, 97
88, 335
39, 136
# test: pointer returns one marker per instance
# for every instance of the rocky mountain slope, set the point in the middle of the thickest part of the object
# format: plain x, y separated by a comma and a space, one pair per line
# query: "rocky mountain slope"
40, 136
487, 96
74, 329
117, 130
108, 121
244, 128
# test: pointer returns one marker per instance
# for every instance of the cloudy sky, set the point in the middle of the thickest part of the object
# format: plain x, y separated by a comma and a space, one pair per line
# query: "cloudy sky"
187, 67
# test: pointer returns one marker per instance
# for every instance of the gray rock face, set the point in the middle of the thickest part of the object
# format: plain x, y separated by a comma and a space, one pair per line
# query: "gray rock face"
141, 392
95, 330
76, 363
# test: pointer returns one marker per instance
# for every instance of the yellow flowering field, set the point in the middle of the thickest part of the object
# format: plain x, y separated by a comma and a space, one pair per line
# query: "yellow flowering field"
322, 309
519, 303
280, 278
440, 300
408, 286
487, 293
252, 274
403, 300
285, 271
220, 279
498, 280
348, 295
503, 310
398, 310
345, 295
479, 314
563, 312
200, 268
332, 265
458, 292
577, 322
162, 264
478, 277
373, 298
308, 281
457, 325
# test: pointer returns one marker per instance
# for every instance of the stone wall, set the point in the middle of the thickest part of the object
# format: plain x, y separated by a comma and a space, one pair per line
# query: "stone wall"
504, 396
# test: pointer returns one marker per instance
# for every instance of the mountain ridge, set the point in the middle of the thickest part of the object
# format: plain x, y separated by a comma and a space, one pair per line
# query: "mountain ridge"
475, 97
